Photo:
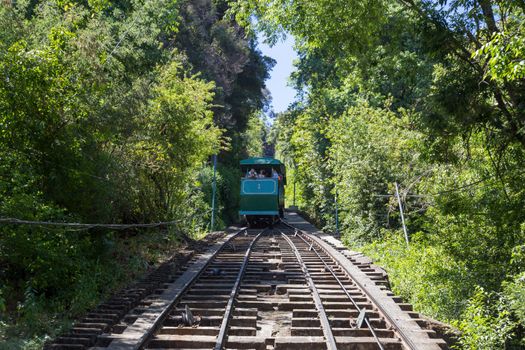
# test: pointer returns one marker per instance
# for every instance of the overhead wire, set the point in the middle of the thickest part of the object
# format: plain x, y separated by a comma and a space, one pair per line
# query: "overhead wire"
430, 194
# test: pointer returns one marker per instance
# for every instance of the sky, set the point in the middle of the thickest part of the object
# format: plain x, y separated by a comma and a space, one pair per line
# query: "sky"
284, 54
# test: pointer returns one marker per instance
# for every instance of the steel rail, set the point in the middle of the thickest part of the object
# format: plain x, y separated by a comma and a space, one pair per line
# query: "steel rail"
140, 341
223, 332
327, 330
367, 321
392, 321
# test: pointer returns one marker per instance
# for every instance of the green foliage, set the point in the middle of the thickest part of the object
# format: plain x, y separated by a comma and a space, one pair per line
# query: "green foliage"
514, 290
486, 323
176, 136
433, 281
325, 22
377, 149
310, 148
104, 267
503, 53
254, 136
227, 196
379, 49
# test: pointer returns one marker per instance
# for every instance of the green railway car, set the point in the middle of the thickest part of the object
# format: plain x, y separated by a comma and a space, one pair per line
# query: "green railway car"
262, 190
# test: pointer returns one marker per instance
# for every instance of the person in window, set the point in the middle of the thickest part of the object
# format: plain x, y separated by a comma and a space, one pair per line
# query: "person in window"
252, 174
275, 174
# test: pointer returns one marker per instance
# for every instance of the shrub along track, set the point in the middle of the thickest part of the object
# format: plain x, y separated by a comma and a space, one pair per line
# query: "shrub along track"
274, 288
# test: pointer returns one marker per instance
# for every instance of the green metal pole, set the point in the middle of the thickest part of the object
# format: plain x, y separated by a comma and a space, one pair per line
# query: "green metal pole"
294, 179
213, 190
294, 191
336, 213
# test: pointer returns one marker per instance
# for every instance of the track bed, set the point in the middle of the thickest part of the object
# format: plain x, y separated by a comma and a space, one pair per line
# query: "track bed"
285, 287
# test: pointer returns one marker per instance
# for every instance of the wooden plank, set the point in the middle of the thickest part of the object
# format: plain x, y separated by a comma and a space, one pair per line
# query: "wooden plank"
135, 335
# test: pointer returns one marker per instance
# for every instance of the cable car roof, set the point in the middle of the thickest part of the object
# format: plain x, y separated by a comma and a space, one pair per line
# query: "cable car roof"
261, 161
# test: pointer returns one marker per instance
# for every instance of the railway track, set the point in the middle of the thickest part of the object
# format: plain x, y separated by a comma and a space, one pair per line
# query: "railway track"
274, 288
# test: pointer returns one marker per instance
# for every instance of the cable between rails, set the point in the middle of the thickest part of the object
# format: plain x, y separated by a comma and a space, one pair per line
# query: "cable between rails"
221, 338
327, 330
137, 340
409, 342
366, 320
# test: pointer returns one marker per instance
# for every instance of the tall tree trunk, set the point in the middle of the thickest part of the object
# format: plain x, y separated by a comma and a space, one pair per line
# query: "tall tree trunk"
486, 7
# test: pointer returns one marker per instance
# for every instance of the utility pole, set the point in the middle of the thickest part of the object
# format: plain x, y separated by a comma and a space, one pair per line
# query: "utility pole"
401, 211
213, 190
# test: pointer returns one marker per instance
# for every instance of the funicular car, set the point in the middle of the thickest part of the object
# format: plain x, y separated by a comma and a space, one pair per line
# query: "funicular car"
262, 190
